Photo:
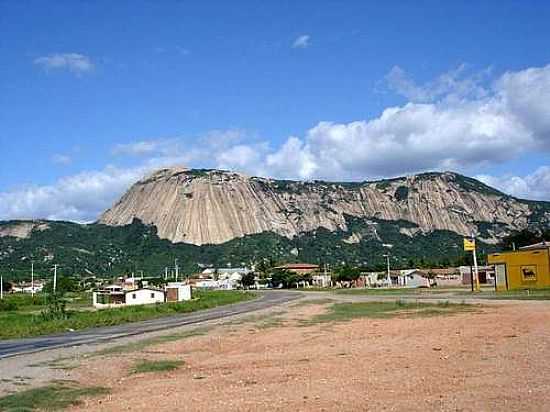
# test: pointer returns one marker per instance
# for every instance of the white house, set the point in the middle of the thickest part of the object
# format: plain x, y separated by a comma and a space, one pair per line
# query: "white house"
222, 278
206, 284
143, 296
412, 278
33, 289
114, 295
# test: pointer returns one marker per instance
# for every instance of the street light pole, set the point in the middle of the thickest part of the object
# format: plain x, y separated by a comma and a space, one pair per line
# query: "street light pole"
54, 277
32, 279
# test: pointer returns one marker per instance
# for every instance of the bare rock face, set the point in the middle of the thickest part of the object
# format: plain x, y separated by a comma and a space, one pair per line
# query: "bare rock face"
21, 230
213, 206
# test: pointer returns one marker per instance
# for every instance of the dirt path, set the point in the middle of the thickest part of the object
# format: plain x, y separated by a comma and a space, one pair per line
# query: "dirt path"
497, 359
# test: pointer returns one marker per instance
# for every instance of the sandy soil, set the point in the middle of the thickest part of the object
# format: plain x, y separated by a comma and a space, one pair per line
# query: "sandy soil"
497, 359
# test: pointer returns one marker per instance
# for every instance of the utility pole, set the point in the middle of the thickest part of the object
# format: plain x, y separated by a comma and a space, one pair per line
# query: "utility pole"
475, 263
32, 279
54, 277
1, 287
177, 269
388, 264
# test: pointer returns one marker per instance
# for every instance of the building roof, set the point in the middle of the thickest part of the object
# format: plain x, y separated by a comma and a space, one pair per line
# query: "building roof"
225, 270
298, 266
137, 290
541, 245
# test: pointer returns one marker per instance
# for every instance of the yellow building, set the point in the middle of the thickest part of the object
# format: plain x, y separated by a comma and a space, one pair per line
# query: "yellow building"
527, 268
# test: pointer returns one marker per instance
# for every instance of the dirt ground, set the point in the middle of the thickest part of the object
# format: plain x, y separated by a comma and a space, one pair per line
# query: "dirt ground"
495, 359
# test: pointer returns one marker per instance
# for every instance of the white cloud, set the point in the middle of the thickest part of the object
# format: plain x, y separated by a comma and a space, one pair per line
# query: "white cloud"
74, 62
453, 85
244, 157
526, 96
61, 159
293, 152
464, 133
79, 198
532, 186
142, 148
301, 42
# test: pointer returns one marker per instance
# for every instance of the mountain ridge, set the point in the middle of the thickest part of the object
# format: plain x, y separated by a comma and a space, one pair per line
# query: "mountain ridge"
105, 250
210, 206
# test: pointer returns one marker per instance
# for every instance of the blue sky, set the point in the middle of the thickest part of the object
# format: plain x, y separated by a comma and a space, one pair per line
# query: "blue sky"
94, 94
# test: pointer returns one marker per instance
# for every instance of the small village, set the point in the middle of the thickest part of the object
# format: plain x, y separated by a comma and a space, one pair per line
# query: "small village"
525, 268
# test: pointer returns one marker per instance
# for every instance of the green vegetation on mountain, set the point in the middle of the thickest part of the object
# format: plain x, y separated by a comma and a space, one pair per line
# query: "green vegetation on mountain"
108, 251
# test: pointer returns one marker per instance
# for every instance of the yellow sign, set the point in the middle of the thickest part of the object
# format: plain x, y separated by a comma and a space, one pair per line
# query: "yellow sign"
469, 244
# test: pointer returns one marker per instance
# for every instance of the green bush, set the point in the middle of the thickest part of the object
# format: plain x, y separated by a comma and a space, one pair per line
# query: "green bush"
7, 306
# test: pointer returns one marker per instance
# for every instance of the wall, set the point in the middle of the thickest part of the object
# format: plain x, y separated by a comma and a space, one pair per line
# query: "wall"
525, 269
177, 292
144, 296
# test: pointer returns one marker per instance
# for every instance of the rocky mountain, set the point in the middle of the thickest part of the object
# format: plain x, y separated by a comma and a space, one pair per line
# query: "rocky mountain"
212, 206
215, 218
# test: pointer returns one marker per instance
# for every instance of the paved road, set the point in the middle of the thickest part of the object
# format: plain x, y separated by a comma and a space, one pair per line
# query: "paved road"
14, 347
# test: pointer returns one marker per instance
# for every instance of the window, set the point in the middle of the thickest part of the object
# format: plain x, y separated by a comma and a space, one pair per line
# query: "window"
152, 295
133, 295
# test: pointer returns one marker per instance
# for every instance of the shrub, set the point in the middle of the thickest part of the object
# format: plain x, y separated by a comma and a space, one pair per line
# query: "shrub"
7, 306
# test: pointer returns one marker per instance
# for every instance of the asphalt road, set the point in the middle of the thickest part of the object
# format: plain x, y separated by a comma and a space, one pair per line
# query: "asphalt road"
14, 347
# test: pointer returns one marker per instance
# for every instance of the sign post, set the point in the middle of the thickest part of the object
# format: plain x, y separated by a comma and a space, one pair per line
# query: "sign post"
470, 246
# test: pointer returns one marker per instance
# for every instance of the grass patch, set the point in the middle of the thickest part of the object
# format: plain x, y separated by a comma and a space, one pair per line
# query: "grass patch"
147, 366
348, 311
144, 343
50, 398
523, 294
254, 318
20, 324
308, 302
392, 291
316, 289
272, 322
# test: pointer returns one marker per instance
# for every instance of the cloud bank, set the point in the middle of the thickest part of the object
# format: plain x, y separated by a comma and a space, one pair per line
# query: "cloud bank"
456, 122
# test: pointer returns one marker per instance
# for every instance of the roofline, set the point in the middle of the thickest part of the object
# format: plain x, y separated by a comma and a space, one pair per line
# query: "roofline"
508, 252
135, 290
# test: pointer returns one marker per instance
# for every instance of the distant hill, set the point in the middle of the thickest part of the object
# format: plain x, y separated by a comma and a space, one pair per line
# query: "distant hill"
214, 217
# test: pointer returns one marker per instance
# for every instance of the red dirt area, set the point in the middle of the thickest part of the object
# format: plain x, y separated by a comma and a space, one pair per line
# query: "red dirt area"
495, 359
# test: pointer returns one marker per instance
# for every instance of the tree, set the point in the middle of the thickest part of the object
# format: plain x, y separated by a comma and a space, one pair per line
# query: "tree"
157, 282
264, 266
284, 277
55, 301
6, 286
247, 280
347, 273
523, 238
64, 284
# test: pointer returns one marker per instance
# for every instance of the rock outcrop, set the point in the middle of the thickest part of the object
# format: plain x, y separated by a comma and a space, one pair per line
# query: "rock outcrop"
213, 206
22, 229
